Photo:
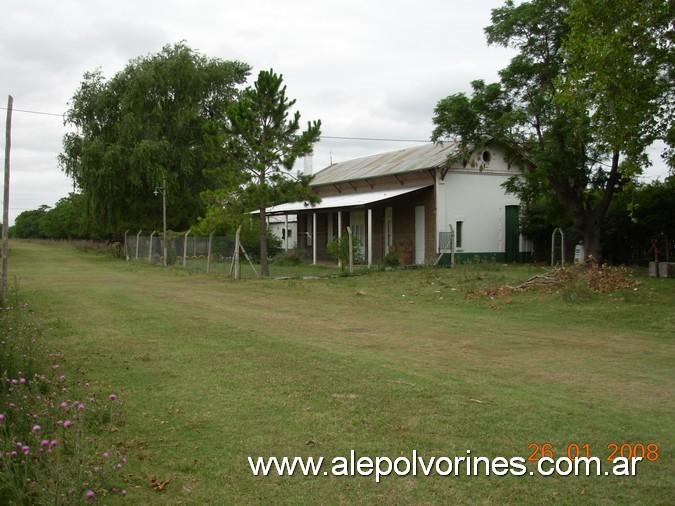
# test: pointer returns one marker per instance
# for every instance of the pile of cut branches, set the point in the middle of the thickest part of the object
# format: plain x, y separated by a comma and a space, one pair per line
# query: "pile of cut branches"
596, 278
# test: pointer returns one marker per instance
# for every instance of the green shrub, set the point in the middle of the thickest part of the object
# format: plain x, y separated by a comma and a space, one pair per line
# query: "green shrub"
290, 258
391, 260
113, 249
339, 249
250, 240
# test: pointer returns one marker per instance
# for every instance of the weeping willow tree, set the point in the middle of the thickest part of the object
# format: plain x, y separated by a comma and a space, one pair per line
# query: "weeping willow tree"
147, 125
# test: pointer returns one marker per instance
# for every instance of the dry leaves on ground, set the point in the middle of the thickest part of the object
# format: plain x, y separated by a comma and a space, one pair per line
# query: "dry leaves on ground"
597, 278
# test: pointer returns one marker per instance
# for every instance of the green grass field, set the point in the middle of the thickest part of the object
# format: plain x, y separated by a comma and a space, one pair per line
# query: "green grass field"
212, 371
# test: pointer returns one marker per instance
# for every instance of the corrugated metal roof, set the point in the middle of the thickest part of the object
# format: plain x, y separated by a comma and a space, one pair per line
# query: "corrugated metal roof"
342, 201
423, 157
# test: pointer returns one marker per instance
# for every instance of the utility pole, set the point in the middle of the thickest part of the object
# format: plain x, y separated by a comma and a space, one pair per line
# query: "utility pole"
5, 202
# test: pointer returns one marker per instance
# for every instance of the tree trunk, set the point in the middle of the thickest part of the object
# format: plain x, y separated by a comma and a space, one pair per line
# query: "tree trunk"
592, 247
264, 265
592, 227
586, 218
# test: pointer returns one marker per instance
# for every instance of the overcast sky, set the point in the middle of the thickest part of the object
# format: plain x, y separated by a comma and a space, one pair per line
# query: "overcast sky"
371, 69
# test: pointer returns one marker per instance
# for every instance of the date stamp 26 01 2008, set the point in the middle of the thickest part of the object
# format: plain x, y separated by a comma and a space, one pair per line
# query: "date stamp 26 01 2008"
649, 452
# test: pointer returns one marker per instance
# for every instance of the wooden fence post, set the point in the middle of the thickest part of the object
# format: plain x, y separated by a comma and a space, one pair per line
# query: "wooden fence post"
150, 246
235, 257
185, 240
208, 257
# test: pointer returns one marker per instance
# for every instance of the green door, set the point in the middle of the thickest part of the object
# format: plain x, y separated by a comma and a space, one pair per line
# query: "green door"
512, 236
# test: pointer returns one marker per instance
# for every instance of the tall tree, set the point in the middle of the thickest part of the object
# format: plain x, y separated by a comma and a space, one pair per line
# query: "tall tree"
147, 125
583, 121
621, 70
265, 143
27, 223
64, 220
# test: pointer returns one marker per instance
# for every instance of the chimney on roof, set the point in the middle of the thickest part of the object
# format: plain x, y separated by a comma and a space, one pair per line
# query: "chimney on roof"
307, 170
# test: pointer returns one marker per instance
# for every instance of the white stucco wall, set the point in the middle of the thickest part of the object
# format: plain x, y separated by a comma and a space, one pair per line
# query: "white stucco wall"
276, 225
474, 196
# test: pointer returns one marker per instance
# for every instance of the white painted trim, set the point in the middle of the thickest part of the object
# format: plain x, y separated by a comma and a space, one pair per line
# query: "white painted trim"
351, 200
370, 237
314, 239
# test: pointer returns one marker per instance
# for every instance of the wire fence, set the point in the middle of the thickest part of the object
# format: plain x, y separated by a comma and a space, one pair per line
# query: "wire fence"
214, 254
211, 254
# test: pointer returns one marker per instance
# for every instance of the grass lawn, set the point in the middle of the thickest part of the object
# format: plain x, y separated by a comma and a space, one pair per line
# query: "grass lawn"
211, 371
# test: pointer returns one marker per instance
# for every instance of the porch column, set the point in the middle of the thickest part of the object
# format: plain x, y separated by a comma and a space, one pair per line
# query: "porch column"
313, 238
339, 234
370, 237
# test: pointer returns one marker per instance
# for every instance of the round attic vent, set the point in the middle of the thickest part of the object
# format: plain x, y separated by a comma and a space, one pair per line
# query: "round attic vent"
487, 156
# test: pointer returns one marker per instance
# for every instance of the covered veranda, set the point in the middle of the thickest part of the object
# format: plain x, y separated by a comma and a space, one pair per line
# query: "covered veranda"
342, 205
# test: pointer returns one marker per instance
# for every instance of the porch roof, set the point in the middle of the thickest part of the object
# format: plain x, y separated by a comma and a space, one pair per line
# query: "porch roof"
343, 201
